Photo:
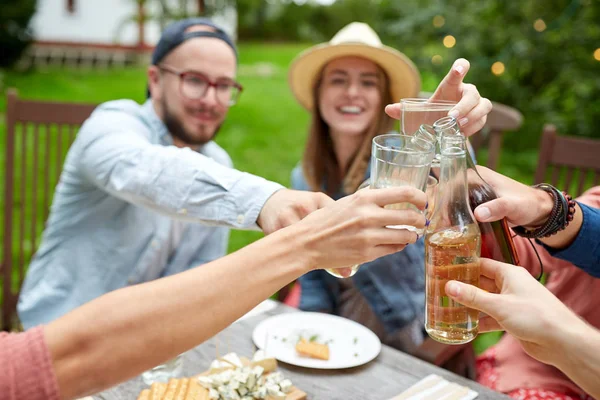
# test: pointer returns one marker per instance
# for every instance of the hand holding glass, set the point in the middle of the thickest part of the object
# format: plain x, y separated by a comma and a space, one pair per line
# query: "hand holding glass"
396, 161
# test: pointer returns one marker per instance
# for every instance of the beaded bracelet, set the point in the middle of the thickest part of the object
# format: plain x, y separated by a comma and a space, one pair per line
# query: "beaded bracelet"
560, 217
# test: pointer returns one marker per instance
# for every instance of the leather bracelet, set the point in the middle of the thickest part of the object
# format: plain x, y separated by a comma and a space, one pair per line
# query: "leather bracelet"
561, 215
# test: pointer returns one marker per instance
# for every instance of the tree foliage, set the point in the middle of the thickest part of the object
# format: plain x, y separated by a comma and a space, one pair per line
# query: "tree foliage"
550, 73
15, 34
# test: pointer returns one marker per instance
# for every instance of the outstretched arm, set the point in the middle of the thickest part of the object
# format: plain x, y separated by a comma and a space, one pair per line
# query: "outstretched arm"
107, 340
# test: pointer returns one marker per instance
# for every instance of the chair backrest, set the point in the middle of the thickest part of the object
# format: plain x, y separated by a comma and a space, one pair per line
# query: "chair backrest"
569, 163
501, 119
38, 135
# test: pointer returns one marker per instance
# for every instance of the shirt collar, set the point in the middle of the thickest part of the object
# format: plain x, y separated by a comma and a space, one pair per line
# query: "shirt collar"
157, 124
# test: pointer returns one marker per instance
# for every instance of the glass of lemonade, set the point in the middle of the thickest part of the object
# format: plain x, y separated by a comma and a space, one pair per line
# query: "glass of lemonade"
396, 161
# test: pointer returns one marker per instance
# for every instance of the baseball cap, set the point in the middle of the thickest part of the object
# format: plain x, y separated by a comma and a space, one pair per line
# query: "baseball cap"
175, 34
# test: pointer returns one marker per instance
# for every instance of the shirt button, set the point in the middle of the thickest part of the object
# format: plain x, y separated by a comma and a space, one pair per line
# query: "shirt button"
240, 219
155, 244
183, 211
130, 281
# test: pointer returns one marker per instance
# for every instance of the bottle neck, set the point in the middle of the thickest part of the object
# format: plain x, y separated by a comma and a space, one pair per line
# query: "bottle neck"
452, 207
453, 179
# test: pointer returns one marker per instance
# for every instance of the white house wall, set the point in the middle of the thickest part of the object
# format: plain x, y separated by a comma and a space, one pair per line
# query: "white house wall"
99, 22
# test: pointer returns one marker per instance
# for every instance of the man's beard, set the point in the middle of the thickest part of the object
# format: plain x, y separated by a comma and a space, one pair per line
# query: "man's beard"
177, 130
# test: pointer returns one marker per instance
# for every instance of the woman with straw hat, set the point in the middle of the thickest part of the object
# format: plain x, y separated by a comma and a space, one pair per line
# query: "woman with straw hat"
345, 85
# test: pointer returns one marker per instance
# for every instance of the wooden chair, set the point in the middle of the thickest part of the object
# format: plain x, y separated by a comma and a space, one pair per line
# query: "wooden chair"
500, 120
571, 155
38, 135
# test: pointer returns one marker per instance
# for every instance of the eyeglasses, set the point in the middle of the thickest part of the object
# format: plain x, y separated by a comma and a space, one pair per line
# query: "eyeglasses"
194, 86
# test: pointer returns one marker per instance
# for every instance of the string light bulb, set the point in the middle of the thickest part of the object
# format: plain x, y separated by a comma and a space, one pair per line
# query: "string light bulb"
597, 54
539, 25
498, 68
449, 41
436, 60
438, 21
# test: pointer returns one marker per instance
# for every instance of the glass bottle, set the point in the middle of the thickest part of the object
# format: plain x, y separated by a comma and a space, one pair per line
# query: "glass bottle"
452, 249
496, 237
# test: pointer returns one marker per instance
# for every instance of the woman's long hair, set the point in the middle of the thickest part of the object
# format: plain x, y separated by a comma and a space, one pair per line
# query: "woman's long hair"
319, 163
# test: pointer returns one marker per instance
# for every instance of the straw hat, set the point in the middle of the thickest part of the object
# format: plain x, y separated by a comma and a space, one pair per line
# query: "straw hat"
355, 39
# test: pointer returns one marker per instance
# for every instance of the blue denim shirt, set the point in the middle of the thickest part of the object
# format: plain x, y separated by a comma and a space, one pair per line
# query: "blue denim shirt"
584, 252
123, 193
394, 285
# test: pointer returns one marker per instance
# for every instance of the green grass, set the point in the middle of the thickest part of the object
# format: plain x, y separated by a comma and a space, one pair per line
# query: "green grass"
264, 134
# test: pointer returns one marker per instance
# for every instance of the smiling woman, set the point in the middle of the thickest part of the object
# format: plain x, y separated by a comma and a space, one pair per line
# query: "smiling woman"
345, 85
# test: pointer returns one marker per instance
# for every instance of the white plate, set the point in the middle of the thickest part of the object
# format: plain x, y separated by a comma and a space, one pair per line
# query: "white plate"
350, 344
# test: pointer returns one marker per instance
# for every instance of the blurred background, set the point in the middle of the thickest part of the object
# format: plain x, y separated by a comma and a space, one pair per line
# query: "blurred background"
540, 57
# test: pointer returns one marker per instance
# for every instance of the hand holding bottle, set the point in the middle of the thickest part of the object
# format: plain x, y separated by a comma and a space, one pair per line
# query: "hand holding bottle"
518, 203
514, 301
524, 205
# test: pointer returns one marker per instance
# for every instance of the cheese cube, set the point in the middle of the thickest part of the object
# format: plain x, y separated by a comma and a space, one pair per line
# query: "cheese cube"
232, 359
285, 385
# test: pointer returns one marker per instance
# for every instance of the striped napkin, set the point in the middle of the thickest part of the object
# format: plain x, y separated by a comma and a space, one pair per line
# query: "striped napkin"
434, 387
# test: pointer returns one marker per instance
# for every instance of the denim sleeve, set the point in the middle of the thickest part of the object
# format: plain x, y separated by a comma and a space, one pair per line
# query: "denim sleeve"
584, 252
315, 294
394, 286
117, 156
298, 181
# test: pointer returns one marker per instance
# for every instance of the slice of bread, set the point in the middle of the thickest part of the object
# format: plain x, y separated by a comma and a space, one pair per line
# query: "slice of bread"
312, 349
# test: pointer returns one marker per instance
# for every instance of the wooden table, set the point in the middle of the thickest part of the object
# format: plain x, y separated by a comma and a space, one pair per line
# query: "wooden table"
389, 374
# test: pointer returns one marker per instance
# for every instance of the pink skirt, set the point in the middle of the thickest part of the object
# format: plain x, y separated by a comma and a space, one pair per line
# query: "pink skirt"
487, 375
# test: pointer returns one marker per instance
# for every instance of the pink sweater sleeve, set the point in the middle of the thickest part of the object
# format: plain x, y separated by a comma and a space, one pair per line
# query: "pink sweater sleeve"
26, 367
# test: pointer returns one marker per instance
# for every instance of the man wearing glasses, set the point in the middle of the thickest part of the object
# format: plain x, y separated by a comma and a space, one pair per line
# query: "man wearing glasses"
145, 192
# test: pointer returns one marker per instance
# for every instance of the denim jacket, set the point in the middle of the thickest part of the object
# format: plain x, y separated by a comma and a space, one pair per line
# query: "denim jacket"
584, 252
393, 286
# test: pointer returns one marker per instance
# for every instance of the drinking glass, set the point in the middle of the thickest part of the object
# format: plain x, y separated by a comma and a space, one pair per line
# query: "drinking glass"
416, 112
431, 191
395, 161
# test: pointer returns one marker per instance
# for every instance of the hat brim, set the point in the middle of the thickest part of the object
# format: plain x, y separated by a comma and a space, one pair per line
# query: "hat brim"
404, 77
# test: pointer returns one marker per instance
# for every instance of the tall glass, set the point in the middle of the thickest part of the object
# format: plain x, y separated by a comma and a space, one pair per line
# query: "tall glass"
396, 161
416, 112
452, 250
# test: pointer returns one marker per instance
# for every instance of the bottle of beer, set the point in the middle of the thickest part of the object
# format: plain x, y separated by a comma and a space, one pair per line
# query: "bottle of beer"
452, 249
496, 237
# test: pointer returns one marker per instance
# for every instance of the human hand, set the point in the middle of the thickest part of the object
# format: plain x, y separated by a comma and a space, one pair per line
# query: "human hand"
471, 109
520, 204
353, 229
286, 207
514, 301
